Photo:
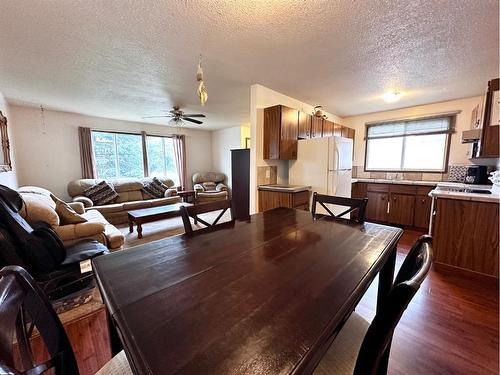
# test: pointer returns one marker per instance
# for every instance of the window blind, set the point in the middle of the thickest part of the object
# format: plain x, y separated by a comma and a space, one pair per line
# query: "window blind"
409, 127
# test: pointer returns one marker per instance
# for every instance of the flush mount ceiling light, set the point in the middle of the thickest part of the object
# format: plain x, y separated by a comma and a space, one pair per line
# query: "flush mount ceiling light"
392, 96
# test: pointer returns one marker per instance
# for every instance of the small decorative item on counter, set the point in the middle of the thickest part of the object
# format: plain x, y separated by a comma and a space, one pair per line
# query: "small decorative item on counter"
495, 179
457, 173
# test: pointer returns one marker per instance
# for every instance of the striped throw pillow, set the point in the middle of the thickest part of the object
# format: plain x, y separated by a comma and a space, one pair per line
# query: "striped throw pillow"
155, 188
101, 194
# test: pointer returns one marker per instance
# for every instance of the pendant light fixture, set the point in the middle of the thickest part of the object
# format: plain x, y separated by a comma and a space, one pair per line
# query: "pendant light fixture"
202, 90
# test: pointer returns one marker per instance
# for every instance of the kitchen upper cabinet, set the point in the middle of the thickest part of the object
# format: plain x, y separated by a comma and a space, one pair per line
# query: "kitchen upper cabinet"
316, 127
489, 147
280, 133
304, 125
328, 127
345, 132
376, 208
351, 133
337, 130
401, 209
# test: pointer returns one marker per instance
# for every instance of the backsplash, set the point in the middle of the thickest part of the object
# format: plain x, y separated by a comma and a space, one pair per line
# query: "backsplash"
359, 172
267, 175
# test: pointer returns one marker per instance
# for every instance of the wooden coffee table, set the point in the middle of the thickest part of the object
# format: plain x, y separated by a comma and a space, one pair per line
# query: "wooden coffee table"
148, 215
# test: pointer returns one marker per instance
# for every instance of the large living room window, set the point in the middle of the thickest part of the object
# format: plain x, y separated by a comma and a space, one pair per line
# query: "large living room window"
161, 157
419, 145
123, 155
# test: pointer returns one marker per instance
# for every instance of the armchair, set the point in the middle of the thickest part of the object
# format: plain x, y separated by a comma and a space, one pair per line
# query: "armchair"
209, 187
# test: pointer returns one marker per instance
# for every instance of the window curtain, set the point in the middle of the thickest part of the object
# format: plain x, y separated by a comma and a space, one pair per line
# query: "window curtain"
180, 158
86, 154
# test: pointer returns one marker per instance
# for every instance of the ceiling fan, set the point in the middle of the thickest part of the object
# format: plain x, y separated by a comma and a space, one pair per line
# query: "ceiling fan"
178, 116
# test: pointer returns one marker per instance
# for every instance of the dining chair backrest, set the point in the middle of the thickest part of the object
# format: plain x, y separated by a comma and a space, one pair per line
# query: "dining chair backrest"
355, 207
412, 273
198, 209
23, 307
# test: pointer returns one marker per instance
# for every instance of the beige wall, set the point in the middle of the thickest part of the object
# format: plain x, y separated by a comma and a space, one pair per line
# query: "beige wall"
223, 141
459, 153
9, 178
50, 157
260, 98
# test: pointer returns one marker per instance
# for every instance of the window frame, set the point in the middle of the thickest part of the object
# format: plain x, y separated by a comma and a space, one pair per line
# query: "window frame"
143, 136
449, 133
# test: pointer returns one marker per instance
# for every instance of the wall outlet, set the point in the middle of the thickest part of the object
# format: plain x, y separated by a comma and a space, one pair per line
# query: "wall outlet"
268, 174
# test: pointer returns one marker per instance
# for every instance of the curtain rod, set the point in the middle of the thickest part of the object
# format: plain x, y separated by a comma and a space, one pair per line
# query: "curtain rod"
418, 117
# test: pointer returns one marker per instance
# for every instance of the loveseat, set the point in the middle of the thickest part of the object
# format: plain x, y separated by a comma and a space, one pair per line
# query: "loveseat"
38, 206
209, 187
130, 196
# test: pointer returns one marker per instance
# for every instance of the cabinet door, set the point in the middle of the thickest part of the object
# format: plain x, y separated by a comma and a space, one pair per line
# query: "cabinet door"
376, 209
272, 126
401, 208
304, 125
327, 128
289, 132
422, 211
351, 133
337, 130
316, 127
358, 190
345, 132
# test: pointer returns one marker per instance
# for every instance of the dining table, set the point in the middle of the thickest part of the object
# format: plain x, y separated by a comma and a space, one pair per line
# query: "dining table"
266, 295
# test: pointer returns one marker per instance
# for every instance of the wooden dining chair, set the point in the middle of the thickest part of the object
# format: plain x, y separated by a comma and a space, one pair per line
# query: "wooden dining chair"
196, 210
356, 207
362, 348
24, 307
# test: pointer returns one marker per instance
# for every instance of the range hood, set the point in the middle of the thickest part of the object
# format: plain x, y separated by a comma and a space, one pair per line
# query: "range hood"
471, 136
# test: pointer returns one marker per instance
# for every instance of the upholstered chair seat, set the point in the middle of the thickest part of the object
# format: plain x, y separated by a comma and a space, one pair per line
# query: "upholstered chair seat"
209, 187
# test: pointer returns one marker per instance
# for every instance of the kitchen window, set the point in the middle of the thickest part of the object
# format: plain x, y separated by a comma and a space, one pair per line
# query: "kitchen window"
123, 155
416, 145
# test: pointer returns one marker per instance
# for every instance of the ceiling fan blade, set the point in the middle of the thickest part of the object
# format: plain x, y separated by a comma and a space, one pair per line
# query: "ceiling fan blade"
192, 120
156, 116
193, 115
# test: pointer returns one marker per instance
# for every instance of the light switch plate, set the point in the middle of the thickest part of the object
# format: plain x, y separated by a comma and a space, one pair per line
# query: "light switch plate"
268, 174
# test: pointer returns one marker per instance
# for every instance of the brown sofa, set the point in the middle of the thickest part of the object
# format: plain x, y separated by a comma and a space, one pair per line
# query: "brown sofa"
209, 187
130, 197
39, 206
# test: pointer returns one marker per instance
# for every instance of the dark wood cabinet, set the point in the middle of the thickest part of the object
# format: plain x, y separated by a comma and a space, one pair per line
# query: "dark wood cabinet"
376, 208
280, 133
489, 141
327, 128
422, 211
273, 199
401, 207
337, 130
316, 127
344, 132
359, 190
304, 125
240, 183
351, 133
466, 235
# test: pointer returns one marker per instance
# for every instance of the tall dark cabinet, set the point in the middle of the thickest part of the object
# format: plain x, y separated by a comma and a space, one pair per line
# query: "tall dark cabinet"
240, 189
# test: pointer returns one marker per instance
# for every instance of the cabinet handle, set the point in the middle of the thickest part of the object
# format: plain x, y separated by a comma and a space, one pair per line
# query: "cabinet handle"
394, 199
423, 200
388, 206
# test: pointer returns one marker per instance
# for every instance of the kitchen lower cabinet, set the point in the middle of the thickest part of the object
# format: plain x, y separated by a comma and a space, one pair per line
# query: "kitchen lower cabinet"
466, 235
274, 199
422, 211
376, 208
401, 209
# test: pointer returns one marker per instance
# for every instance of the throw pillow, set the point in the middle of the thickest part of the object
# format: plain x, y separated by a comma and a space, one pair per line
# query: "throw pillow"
101, 194
208, 186
66, 214
155, 188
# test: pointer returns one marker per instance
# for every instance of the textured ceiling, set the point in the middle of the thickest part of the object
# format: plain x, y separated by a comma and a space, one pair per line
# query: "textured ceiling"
128, 59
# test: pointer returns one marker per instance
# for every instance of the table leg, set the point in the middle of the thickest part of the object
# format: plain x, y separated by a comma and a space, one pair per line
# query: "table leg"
130, 225
385, 282
139, 230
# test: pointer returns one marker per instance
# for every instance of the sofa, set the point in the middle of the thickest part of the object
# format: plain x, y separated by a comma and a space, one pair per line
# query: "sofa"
38, 206
209, 187
130, 197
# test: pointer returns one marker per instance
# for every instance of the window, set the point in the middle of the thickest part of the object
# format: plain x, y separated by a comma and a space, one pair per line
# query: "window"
122, 155
408, 145
161, 157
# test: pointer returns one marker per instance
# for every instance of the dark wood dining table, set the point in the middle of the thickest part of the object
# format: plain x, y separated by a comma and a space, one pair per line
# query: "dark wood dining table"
263, 296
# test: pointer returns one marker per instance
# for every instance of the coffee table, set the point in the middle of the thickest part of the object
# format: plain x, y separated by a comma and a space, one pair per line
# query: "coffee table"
148, 215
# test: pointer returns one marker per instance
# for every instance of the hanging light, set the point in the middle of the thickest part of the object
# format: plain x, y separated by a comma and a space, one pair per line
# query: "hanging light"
202, 90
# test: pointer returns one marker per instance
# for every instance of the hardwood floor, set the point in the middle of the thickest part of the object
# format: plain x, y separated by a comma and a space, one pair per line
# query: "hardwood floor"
450, 327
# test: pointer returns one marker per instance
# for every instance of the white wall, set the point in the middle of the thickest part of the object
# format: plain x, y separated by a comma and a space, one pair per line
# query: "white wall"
50, 157
223, 141
458, 152
260, 98
9, 178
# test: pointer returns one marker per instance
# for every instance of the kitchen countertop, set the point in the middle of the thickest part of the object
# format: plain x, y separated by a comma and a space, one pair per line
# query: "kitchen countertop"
401, 182
478, 197
284, 188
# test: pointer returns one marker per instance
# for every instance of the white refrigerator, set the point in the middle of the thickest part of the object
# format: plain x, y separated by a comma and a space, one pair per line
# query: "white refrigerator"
325, 164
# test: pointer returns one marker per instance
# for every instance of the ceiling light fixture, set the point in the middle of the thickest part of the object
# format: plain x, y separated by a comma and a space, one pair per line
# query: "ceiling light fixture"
392, 96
